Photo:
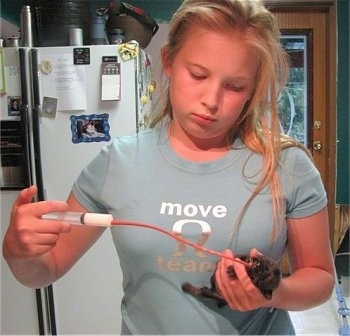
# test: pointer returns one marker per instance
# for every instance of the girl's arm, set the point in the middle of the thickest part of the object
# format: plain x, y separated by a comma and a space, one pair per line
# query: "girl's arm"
312, 277
312, 272
39, 251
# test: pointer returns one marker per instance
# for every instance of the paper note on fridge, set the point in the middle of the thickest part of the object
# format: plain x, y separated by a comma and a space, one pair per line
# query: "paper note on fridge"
61, 79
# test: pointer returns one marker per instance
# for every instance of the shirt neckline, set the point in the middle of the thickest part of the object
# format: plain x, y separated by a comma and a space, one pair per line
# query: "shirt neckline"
201, 167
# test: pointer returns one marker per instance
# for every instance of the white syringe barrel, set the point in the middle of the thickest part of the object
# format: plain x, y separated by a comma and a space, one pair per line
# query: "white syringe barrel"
80, 218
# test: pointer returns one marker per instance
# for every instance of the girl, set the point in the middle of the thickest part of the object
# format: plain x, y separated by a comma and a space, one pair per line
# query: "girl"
214, 168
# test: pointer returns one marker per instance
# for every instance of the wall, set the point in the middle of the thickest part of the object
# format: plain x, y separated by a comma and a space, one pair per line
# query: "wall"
160, 10
343, 104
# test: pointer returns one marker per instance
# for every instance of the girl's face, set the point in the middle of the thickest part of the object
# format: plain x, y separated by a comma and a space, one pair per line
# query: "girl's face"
210, 80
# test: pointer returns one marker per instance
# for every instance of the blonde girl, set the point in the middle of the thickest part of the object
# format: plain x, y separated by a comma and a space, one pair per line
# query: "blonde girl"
213, 168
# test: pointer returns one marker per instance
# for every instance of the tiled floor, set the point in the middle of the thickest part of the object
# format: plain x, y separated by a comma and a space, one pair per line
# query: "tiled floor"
321, 320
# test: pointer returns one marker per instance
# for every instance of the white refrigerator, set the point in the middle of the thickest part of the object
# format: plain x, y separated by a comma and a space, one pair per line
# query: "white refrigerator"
73, 101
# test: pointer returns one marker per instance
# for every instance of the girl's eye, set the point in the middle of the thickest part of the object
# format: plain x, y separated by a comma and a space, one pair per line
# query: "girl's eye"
234, 87
197, 76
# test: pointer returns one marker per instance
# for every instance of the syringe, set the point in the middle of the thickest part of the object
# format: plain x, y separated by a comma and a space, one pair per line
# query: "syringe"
80, 218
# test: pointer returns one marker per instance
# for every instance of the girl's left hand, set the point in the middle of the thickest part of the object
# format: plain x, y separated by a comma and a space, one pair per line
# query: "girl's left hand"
240, 292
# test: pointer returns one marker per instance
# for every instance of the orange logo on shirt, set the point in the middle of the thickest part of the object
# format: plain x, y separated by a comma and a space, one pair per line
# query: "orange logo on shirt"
206, 231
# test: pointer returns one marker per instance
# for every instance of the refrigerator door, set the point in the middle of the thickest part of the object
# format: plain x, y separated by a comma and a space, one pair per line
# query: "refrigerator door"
70, 100
73, 124
14, 116
19, 314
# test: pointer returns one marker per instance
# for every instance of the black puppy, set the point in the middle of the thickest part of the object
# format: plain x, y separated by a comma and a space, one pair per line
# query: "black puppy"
263, 271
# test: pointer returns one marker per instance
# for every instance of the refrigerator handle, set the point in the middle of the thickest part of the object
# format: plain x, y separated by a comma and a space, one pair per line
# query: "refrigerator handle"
45, 298
24, 115
36, 123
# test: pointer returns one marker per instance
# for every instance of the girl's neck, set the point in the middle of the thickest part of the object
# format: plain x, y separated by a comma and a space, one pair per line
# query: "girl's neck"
199, 150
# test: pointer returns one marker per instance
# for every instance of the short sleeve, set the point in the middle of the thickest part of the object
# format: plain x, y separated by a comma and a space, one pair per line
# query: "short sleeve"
89, 185
302, 185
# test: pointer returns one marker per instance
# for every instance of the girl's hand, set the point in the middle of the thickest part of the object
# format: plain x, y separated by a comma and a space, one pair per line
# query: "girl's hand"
240, 293
28, 236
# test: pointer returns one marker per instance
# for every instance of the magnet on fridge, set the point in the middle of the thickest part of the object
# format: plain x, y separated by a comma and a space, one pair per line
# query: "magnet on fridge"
129, 51
46, 67
14, 104
110, 81
90, 128
2, 72
49, 107
81, 56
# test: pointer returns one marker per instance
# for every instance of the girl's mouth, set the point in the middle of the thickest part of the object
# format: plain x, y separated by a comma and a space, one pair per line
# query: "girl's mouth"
204, 119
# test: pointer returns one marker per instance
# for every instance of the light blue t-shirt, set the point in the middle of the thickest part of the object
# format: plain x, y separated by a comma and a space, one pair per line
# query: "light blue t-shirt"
140, 178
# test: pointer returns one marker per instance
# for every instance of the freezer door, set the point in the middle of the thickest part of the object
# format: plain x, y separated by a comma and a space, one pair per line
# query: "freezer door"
15, 100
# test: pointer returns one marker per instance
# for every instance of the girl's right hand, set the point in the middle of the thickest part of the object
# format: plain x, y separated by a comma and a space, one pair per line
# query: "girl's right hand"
28, 236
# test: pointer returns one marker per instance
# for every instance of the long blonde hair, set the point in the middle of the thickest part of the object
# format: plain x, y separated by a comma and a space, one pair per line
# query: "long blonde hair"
258, 125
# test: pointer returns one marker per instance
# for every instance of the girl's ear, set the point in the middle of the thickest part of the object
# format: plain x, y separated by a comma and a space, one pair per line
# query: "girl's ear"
166, 61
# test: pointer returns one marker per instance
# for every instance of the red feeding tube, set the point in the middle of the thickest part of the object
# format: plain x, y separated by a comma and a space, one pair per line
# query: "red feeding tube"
178, 238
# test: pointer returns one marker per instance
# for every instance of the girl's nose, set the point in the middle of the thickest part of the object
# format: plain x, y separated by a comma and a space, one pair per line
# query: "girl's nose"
211, 96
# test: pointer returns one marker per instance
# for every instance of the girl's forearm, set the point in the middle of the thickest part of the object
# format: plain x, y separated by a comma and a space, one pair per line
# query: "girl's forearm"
34, 273
304, 289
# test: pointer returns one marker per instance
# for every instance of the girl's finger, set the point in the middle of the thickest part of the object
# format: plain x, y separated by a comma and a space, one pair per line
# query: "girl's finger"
25, 196
38, 209
254, 252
